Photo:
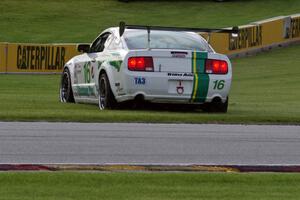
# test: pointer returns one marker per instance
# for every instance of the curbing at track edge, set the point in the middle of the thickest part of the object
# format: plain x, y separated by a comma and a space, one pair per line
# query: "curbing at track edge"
150, 168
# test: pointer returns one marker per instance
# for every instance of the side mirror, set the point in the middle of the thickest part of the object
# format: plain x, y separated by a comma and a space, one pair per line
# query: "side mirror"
85, 48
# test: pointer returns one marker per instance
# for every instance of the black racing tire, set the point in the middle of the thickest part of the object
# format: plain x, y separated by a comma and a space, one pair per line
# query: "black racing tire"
106, 97
216, 106
65, 90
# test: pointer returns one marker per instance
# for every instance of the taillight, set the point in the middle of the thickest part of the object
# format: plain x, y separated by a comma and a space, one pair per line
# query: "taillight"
140, 64
216, 66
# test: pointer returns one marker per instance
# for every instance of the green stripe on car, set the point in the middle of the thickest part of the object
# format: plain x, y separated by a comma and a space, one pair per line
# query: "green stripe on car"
201, 79
116, 64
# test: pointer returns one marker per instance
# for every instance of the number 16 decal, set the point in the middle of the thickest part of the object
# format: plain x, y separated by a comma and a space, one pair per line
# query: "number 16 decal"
219, 84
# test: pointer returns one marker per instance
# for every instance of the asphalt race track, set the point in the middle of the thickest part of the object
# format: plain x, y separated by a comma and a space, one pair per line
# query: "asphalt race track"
148, 143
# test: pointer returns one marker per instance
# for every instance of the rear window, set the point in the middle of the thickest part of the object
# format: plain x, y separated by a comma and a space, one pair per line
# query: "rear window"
138, 39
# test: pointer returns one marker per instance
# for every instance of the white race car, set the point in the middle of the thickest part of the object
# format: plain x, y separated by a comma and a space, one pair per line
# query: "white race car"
149, 63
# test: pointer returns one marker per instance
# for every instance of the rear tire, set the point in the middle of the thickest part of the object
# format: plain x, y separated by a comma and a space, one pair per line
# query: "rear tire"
216, 106
106, 97
65, 91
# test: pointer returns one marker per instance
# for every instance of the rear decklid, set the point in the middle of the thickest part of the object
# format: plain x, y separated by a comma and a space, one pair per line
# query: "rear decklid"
185, 73
174, 60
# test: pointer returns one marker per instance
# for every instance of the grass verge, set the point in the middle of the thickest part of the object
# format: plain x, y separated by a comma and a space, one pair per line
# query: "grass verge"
80, 21
265, 89
162, 186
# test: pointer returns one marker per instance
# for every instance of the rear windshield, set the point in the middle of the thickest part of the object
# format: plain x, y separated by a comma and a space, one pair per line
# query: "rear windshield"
138, 39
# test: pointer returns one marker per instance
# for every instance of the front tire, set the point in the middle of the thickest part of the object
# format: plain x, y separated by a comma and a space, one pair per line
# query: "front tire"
65, 91
106, 97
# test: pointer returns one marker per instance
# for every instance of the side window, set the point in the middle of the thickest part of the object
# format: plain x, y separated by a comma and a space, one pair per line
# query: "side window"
95, 45
98, 44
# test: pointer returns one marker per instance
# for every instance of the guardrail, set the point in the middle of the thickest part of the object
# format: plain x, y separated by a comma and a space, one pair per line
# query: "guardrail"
252, 38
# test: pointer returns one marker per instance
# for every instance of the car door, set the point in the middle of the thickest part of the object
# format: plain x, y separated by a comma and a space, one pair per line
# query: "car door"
88, 69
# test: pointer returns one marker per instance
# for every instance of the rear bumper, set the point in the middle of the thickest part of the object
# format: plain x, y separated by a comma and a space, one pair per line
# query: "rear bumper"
164, 87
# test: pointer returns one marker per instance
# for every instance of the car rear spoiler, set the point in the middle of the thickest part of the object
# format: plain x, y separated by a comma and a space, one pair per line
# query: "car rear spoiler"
123, 26
233, 31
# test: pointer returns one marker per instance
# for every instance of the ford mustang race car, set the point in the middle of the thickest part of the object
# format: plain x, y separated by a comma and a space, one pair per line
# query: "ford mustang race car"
149, 63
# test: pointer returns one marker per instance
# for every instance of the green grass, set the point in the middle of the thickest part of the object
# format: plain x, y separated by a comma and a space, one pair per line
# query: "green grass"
265, 89
143, 186
80, 21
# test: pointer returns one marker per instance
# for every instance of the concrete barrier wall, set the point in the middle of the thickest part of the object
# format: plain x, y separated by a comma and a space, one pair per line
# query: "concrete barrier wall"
254, 37
258, 36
